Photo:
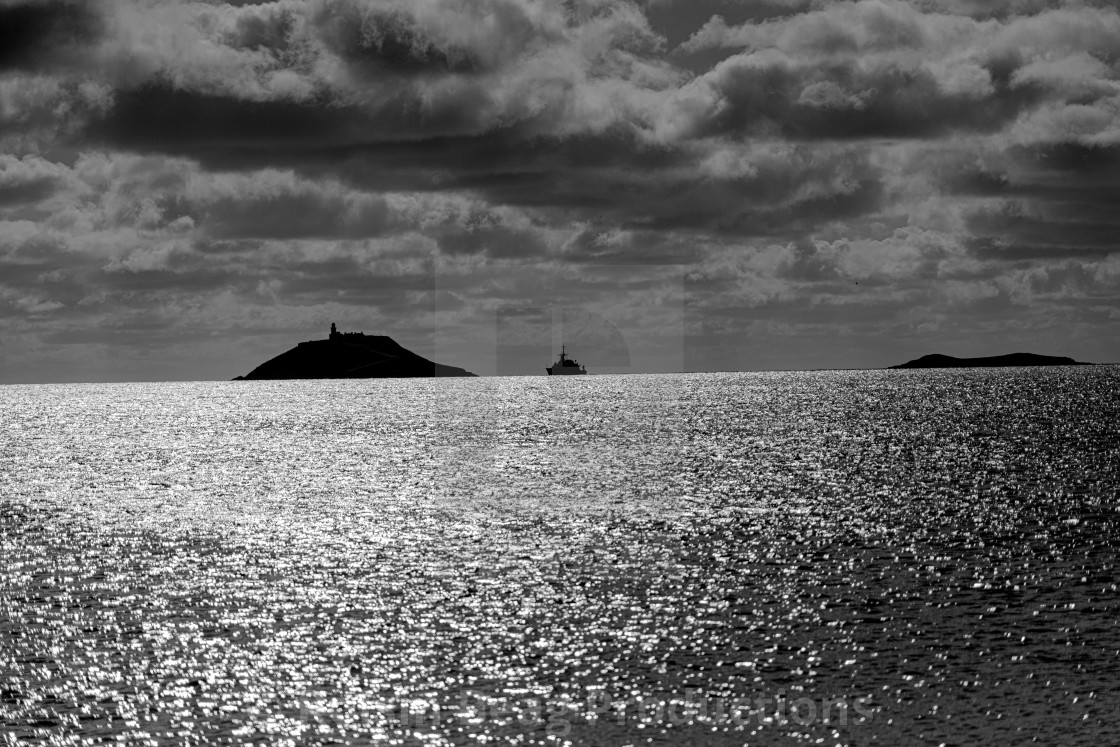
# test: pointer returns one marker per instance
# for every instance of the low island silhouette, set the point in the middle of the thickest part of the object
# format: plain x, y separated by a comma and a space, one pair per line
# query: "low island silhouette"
937, 360
350, 355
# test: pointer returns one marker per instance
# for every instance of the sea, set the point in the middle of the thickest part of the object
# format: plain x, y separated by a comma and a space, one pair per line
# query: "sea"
830, 557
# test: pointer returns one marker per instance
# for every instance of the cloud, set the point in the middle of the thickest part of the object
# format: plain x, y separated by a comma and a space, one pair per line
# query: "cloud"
29, 179
875, 68
769, 94
39, 33
896, 167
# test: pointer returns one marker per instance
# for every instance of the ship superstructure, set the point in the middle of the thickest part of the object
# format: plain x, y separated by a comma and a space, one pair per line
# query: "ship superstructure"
565, 366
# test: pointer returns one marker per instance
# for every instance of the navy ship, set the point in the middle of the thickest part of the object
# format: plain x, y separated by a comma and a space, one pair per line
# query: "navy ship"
565, 366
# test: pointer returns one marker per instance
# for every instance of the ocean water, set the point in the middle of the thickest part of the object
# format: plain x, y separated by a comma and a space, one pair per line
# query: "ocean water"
822, 558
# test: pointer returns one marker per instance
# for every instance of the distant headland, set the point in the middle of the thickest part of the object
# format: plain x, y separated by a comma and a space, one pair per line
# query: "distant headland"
350, 355
995, 361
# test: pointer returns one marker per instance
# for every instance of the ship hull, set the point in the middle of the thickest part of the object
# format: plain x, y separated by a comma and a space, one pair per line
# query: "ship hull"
565, 371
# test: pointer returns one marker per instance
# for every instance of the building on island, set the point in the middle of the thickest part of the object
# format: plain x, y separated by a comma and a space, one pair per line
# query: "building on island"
336, 335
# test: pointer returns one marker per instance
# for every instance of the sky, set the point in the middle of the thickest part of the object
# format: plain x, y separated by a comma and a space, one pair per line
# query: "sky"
190, 188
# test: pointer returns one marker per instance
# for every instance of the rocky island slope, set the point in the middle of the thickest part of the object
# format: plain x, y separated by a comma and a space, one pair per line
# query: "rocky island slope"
995, 361
350, 355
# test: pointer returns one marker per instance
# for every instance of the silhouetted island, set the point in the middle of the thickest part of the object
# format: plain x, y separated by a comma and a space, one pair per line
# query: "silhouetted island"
995, 361
350, 355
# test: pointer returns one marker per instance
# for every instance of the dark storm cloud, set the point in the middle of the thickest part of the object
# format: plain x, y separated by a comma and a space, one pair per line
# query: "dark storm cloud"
39, 33
1012, 222
383, 149
222, 247
182, 276
613, 174
767, 96
221, 130
272, 31
1076, 202
631, 248
1083, 161
885, 69
494, 241
222, 163
293, 213
38, 276
404, 143
390, 41
1054, 202
808, 265
26, 191
1000, 250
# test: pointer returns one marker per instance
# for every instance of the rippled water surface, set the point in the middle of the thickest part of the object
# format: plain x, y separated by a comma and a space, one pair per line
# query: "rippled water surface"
931, 552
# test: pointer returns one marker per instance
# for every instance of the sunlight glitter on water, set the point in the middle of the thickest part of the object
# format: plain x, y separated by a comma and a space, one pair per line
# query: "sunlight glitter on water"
231, 562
